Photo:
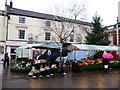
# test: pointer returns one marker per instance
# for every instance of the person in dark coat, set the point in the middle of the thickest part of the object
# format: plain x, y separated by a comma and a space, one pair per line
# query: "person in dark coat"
6, 60
105, 63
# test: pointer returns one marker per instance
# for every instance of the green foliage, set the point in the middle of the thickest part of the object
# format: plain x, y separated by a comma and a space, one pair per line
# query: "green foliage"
97, 36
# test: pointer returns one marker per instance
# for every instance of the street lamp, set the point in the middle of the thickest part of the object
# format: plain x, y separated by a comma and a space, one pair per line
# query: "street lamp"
5, 25
6, 18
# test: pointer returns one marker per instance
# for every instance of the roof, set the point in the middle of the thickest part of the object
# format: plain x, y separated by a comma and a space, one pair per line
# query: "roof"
96, 47
21, 12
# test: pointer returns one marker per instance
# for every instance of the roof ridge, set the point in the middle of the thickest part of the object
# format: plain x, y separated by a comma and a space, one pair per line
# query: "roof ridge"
29, 13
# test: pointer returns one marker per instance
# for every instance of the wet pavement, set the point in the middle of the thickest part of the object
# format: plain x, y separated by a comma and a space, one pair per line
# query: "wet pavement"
1, 70
85, 79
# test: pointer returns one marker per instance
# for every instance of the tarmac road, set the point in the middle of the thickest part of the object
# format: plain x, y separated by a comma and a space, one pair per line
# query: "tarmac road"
85, 79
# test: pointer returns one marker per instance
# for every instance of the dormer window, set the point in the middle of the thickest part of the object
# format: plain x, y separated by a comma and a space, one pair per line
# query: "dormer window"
21, 19
48, 23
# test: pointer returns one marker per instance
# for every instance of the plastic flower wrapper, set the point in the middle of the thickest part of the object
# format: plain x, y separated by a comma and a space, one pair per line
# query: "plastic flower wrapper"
23, 62
16, 66
32, 72
47, 68
42, 69
28, 64
53, 66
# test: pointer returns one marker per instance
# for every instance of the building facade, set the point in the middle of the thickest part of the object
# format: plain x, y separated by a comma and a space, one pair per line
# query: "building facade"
112, 35
19, 27
114, 30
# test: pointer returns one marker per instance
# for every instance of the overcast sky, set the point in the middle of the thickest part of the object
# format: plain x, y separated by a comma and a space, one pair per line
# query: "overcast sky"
107, 9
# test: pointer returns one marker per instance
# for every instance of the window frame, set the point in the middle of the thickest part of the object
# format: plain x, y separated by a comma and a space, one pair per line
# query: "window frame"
47, 23
22, 20
21, 31
47, 36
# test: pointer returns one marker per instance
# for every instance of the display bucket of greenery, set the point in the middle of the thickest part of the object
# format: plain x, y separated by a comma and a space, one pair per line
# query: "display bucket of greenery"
23, 67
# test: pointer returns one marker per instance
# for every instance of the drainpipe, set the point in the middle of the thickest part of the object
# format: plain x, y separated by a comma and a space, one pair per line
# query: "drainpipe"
117, 35
117, 31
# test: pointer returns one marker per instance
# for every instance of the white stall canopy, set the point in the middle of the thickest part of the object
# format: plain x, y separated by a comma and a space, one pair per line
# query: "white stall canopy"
45, 46
95, 47
27, 46
27, 50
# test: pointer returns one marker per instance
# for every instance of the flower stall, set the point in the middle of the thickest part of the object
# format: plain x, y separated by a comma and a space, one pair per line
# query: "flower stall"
36, 58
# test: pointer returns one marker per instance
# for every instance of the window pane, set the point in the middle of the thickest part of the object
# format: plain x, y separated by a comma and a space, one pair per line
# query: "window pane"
21, 19
13, 50
21, 34
47, 36
71, 38
48, 23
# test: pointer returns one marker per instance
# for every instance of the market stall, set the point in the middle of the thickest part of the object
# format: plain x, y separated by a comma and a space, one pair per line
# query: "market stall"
82, 56
36, 57
92, 62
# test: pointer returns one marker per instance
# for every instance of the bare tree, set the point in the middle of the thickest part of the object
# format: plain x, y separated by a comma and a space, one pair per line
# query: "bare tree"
62, 30
66, 16
77, 11
78, 37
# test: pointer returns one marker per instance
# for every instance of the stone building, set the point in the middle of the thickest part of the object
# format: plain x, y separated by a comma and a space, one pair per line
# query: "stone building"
20, 27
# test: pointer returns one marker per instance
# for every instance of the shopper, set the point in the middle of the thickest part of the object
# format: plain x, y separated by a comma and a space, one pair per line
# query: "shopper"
6, 60
105, 64
106, 57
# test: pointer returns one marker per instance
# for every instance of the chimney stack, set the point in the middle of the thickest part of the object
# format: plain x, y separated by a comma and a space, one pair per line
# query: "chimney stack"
11, 4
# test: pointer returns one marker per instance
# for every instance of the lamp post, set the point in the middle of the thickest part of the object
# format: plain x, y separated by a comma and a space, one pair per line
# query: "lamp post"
6, 18
5, 26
